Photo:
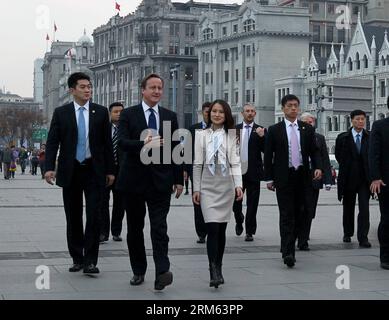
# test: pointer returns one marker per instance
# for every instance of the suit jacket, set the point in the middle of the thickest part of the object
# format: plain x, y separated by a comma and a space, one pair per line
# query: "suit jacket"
325, 160
256, 145
379, 151
346, 154
134, 176
63, 134
276, 159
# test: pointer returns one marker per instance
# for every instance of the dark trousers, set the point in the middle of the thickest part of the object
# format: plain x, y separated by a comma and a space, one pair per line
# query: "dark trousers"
6, 166
383, 227
34, 167
117, 212
290, 200
158, 205
252, 189
200, 227
43, 169
349, 197
83, 247
23, 164
216, 242
311, 197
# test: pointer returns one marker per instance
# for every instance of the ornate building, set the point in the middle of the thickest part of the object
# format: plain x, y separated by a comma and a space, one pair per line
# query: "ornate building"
158, 37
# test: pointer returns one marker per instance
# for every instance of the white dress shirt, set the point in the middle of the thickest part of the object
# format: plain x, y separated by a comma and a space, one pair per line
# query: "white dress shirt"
354, 132
147, 113
289, 129
86, 117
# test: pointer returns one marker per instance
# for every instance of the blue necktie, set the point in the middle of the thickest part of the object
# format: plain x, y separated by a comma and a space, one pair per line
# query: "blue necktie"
152, 120
81, 141
358, 143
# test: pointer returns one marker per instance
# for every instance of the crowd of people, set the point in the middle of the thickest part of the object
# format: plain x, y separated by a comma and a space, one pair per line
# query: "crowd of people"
120, 151
26, 158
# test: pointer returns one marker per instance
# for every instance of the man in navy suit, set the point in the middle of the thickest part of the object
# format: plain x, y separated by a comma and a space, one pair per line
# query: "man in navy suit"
81, 130
148, 183
379, 175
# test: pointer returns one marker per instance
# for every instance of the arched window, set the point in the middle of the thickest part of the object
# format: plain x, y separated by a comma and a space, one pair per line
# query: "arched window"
329, 124
365, 62
207, 34
249, 25
329, 69
382, 61
335, 124
149, 29
357, 61
350, 64
334, 68
156, 28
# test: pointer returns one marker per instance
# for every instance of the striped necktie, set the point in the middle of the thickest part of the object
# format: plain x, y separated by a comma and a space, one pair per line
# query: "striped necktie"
115, 143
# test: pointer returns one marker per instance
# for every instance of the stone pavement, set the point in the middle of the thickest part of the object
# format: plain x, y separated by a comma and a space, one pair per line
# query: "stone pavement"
32, 233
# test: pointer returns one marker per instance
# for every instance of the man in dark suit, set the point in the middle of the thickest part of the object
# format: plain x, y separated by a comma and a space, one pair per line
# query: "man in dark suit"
148, 182
351, 152
200, 226
289, 146
252, 144
115, 110
379, 175
82, 132
312, 194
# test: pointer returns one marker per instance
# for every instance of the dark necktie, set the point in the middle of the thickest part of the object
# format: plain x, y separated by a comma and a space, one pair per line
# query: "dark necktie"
115, 143
358, 143
152, 120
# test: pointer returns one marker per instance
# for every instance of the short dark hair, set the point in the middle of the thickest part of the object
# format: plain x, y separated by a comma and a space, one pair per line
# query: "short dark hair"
289, 97
358, 112
229, 120
206, 105
115, 104
147, 78
73, 79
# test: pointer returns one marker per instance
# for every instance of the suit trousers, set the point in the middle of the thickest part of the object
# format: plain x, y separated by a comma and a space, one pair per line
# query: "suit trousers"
383, 227
252, 189
200, 226
349, 197
311, 197
83, 247
158, 205
290, 200
117, 212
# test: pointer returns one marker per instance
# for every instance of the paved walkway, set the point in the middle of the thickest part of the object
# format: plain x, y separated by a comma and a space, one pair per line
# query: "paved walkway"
32, 234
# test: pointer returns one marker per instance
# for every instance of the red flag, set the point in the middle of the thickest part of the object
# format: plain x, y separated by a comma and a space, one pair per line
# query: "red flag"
47, 37
55, 27
117, 6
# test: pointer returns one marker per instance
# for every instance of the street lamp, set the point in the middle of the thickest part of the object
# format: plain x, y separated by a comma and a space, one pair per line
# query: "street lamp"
173, 70
193, 85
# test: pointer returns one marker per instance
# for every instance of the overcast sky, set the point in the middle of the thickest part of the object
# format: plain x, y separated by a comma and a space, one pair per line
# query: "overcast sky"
25, 23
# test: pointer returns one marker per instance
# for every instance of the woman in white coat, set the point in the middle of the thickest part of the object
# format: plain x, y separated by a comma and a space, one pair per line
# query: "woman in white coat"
217, 181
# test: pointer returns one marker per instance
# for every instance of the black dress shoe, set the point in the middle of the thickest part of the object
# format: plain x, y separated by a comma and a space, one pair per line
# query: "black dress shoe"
201, 240
346, 239
385, 265
76, 267
239, 229
304, 247
103, 238
249, 238
289, 260
91, 268
137, 280
117, 238
365, 244
163, 280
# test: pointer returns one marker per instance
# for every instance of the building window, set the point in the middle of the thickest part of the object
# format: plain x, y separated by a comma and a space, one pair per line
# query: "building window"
249, 25
329, 124
383, 89
341, 35
207, 57
350, 64
211, 77
236, 75
279, 96
310, 100
330, 34
330, 8
347, 123
207, 34
248, 51
226, 76
189, 30
336, 124
383, 61
357, 62
365, 62
188, 73
226, 55
248, 93
355, 10
236, 97
248, 73
315, 8
224, 31
235, 28
330, 94
188, 97
206, 78
226, 96
253, 96
174, 29
189, 51
316, 32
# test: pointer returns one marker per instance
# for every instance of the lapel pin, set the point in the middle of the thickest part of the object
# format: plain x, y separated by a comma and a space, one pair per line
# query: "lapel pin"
93, 111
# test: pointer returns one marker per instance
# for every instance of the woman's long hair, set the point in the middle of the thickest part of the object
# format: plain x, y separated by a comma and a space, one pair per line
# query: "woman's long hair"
228, 121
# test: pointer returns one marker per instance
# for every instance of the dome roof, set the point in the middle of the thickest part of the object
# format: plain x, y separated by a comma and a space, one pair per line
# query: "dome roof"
85, 38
